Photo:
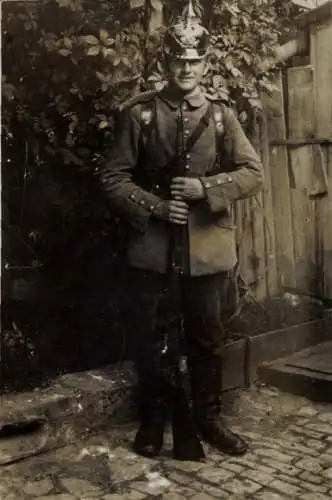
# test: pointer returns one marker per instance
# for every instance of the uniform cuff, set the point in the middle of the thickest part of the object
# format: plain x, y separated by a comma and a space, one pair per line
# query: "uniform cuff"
142, 205
215, 188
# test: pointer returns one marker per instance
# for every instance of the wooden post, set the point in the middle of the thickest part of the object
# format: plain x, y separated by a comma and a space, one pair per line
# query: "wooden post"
280, 186
301, 124
271, 270
155, 18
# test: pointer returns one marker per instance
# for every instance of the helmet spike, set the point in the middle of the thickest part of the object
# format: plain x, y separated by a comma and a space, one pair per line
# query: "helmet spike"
191, 14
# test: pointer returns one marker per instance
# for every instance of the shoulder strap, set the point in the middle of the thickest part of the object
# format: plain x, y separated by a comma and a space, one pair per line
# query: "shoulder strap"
148, 117
148, 113
218, 116
141, 98
203, 123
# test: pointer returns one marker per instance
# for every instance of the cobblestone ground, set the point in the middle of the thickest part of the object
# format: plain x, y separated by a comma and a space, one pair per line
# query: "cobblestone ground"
290, 457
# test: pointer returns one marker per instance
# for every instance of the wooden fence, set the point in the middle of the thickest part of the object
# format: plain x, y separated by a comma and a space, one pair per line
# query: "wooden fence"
287, 237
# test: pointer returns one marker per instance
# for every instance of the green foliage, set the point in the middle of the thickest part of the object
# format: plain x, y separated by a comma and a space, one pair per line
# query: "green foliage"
65, 69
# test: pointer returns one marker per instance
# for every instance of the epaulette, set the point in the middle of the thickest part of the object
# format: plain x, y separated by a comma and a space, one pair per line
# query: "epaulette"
217, 99
140, 98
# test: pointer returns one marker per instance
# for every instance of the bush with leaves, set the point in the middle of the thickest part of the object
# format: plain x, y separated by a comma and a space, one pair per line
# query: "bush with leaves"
65, 69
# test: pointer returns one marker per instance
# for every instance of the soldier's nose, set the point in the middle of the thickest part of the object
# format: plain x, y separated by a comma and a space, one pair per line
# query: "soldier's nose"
186, 66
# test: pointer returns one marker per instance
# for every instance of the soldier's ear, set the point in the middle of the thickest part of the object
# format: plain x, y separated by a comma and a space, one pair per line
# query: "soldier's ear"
207, 67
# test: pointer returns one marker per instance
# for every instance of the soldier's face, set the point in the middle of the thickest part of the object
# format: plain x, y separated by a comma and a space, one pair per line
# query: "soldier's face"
186, 74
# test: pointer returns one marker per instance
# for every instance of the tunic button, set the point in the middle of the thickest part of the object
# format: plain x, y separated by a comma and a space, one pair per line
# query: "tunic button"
186, 132
184, 106
187, 167
188, 156
141, 202
151, 207
186, 120
132, 196
207, 185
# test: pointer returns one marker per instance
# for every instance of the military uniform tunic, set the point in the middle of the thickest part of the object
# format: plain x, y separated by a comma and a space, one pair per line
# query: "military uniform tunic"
136, 179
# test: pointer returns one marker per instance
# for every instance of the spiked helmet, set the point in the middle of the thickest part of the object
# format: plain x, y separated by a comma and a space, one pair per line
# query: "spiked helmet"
187, 38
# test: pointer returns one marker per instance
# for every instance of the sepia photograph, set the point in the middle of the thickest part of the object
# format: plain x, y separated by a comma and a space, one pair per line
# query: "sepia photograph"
166, 250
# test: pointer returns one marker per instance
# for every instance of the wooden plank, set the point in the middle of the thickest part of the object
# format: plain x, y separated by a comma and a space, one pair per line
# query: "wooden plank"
280, 185
300, 93
321, 54
154, 15
257, 220
258, 253
321, 57
295, 143
271, 270
245, 239
301, 116
308, 4
321, 14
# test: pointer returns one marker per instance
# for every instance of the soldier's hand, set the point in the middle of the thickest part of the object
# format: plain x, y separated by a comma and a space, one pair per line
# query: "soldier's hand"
175, 211
178, 211
187, 189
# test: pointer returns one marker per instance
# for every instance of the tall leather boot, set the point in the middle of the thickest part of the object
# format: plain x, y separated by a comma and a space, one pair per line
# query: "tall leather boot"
163, 395
206, 384
154, 406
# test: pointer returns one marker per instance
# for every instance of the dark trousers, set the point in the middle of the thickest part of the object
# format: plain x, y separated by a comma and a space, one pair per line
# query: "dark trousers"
158, 345
153, 312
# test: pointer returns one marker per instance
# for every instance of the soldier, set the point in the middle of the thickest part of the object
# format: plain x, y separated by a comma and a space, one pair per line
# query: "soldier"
220, 167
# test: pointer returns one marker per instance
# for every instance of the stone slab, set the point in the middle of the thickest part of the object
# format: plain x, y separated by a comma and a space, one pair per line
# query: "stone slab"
316, 360
74, 404
307, 373
279, 343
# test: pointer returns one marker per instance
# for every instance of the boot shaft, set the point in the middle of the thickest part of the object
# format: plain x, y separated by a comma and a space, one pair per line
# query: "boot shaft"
206, 386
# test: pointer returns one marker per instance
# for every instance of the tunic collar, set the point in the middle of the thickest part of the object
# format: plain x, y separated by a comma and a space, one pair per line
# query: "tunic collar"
196, 99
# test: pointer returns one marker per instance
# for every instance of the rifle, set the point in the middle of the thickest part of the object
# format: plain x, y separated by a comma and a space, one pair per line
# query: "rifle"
187, 445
